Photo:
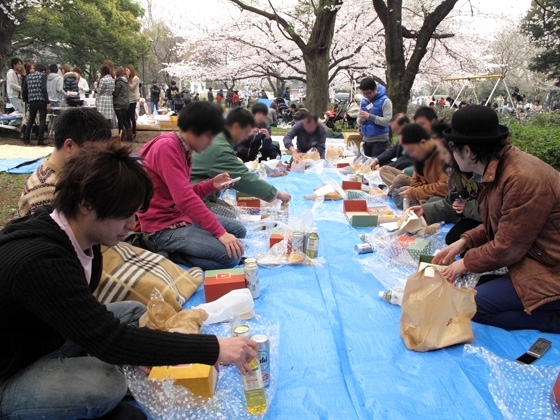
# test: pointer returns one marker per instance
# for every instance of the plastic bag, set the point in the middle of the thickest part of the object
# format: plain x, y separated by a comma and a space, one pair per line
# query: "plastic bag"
235, 304
163, 400
521, 392
435, 314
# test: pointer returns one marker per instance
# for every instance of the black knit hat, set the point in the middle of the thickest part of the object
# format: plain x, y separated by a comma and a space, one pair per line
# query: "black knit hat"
414, 133
476, 124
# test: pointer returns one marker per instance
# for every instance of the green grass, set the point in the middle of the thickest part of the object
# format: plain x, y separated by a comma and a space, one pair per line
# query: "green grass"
11, 187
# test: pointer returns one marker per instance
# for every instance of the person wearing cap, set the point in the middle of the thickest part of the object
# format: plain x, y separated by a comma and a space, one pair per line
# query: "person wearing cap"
429, 179
520, 230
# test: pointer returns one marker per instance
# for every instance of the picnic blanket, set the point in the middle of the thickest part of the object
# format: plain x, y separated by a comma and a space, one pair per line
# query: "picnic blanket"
22, 159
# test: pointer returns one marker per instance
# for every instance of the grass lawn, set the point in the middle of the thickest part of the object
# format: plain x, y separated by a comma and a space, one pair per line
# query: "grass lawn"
11, 187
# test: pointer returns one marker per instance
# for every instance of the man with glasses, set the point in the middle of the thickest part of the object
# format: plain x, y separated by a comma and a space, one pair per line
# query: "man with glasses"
376, 112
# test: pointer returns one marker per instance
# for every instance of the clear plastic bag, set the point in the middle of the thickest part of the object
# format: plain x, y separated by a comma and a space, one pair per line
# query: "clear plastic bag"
521, 392
163, 400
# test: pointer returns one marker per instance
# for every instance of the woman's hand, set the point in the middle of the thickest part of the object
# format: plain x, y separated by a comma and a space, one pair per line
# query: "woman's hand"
239, 351
417, 210
220, 182
458, 206
233, 246
454, 270
448, 254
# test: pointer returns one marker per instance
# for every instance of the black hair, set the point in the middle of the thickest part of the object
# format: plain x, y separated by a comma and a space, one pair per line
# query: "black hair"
81, 124
240, 116
173, 82
40, 68
259, 108
426, 112
201, 117
15, 61
293, 106
401, 119
107, 179
484, 152
53, 68
368, 84
288, 88
437, 130
309, 117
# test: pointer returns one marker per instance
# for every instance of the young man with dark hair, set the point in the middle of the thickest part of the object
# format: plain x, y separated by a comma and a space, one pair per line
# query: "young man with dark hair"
178, 220
220, 157
521, 217
55, 87
34, 93
170, 93
259, 139
60, 349
425, 116
309, 133
395, 157
376, 112
13, 84
155, 93
286, 94
210, 95
74, 127
429, 179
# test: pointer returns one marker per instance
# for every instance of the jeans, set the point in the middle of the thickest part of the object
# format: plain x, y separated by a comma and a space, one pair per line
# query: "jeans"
34, 108
17, 104
67, 383
154, 107
197, 247
499, 305
375, 148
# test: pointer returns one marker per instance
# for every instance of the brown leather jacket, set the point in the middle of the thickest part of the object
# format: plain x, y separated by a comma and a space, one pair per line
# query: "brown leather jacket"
521, 226
429, 179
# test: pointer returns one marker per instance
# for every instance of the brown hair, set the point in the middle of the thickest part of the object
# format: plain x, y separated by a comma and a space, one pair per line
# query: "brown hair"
105, 70
27, 68
111, 66
65, 68
77, 70
105, 178
132, 72
121, 72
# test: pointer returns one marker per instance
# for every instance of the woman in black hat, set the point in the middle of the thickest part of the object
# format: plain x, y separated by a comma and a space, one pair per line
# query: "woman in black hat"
521, 226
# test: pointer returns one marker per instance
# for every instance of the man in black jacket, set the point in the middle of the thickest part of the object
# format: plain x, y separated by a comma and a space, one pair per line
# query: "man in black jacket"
59, 347
394, 160
34, 92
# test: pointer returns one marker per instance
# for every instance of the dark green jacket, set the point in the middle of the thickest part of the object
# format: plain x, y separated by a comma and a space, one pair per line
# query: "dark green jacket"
220, 157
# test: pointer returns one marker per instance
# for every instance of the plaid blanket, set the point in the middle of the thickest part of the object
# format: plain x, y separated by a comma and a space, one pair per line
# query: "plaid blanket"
131, 273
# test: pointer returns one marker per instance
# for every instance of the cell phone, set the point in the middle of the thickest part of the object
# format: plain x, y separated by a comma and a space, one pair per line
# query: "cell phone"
232, 182
535, 352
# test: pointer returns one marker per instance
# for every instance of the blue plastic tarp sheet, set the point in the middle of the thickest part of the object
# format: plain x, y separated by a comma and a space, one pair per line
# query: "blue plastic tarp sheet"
341, 353
19, 165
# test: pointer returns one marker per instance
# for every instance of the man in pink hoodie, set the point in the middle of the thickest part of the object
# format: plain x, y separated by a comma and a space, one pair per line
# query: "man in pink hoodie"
177, 219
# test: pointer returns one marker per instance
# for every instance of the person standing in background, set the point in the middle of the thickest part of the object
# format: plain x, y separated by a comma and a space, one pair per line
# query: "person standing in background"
210, 95
13, 84
71, 86
375, 116
28, 68
83, 85
286, 95
105, 89
35, 94
121, 103
220, 97
134, 83
155, 92
55, 87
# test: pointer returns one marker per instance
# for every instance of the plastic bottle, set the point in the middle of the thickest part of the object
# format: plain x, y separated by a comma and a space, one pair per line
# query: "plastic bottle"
253, 385
394, 297
312, 248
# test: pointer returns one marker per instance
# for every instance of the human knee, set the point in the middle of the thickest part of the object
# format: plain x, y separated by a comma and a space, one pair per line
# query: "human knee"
106, 388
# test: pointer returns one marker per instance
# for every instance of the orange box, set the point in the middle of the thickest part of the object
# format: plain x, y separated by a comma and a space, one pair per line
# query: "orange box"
556, 390
385, 214
248, 202
220, 282
351, 185
276, 237
200, 379
342, 165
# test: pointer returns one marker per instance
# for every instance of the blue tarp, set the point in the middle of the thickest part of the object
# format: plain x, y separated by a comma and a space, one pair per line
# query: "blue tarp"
341, 354
19, 165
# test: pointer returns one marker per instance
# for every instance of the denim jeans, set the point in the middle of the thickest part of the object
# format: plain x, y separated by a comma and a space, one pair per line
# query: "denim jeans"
197, 247
375, 148
68, 384
498, 304
154, 107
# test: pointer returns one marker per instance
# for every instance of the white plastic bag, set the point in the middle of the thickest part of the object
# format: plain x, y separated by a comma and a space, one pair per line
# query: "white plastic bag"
236, 304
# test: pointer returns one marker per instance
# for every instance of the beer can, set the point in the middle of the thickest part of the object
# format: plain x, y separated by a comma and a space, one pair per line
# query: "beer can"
359, 178
363, 248
242, 330
298, 239
263, 356
252, 277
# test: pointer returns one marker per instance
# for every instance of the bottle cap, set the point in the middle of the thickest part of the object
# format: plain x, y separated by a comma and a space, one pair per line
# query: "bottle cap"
381, 294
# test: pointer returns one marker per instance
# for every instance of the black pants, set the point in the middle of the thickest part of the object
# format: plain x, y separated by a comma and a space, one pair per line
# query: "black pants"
132, 116
462, 226
375, 148
122, 117
34, 108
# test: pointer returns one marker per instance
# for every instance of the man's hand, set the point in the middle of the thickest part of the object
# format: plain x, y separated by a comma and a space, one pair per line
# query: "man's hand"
296, 156
363, 116
406, 192
239, 351
417, 210
264, 132
374, 163
454, 270
254, 131
284, 197
234, 247
448, 254
221, 179
458, 206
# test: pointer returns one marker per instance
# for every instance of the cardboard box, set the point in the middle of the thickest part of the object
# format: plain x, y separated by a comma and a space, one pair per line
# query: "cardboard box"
385, 214
276, 237
426, 261
556, 390
168, 125
200, 379
342, 165
249, 202
355, 138
420, 246
351, 185
358, 214
220, 282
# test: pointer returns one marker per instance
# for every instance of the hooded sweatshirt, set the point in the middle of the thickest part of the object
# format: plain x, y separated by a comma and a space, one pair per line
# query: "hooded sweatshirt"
55, 88
45, 299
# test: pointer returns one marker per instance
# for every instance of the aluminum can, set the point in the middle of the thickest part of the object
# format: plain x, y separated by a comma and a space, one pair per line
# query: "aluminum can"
242, 330
298, 239
252, 277
263, 356
363, 248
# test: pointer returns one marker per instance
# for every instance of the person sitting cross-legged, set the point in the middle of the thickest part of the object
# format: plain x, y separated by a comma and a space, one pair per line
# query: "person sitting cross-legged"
60, 348
177, 220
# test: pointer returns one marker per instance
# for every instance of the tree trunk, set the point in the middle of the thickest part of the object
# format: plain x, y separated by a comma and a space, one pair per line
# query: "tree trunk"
317, 71
7, 28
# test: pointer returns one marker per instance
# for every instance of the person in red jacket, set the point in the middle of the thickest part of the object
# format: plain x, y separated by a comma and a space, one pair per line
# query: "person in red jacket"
177, 219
